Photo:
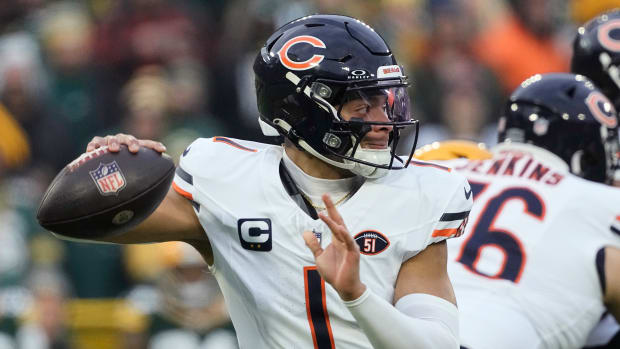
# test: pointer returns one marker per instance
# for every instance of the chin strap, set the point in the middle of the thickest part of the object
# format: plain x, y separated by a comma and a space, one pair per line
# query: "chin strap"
376, 156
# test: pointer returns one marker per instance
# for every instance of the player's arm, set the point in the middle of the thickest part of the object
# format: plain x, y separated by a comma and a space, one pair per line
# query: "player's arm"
173, 220
424, 314
612, 281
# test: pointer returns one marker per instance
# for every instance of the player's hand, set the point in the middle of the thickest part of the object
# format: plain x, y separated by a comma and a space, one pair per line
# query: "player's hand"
339, 262
133, 144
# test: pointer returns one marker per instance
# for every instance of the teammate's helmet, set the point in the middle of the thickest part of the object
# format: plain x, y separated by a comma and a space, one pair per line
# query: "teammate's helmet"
596, 53
309, 68
567, 115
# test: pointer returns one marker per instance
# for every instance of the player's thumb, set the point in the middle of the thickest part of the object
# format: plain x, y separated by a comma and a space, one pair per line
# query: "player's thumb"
313, 243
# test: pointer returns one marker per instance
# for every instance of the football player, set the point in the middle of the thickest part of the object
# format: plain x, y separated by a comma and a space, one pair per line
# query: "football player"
539, 265
596, 54
362, 267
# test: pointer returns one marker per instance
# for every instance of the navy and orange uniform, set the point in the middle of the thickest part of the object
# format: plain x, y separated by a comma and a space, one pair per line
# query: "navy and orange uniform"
528, 270
274, 293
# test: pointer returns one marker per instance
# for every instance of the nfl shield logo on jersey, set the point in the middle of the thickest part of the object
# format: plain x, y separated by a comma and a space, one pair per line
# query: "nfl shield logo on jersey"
108, 178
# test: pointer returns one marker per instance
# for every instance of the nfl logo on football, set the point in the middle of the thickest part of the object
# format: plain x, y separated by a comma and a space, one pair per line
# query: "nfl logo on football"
108, 178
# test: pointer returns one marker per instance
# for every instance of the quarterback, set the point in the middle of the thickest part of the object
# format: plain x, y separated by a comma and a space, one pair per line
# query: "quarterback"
538, 266
361, 267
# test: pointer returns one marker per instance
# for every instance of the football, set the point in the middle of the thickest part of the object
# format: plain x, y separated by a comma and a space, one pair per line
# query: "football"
103, 193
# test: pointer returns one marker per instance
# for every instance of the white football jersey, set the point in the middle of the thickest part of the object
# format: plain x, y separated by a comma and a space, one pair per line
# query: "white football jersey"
274, 293
525, 272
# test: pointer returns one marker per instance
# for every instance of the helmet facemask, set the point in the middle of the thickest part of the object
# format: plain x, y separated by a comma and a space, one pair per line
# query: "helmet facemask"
610, 67
341, 143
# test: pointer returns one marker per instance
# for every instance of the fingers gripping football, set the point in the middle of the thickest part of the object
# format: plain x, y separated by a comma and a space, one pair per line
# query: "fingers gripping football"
114, 143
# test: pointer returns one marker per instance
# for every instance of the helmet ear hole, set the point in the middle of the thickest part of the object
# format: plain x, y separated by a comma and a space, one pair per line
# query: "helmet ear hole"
571, 92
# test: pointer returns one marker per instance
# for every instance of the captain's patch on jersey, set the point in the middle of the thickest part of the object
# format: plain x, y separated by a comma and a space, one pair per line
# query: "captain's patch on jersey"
255, 233
371, 242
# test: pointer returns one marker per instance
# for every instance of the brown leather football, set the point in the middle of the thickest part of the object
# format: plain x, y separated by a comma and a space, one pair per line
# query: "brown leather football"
103, 193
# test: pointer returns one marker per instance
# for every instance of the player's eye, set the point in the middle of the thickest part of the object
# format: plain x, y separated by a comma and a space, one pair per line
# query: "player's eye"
364, 109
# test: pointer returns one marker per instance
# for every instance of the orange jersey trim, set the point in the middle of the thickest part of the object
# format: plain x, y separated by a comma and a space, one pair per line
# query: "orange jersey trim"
182, 192
444, 232
427, 164
233, 144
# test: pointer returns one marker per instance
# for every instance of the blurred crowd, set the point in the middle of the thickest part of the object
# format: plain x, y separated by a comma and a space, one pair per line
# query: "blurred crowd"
175, 70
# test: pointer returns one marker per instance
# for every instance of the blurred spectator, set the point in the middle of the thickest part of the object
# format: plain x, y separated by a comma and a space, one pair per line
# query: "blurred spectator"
14, 302
14, 258
146, 98
522, 42
402, 24
189, 312
45, 324
455, 95
23, 91
169, 105
74, 91
96, 271
14, 146
134, 33
142, 32
231, 69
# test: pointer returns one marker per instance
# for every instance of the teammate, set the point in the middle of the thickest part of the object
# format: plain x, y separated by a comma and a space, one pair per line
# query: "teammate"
370, 276
539, 264
596, 54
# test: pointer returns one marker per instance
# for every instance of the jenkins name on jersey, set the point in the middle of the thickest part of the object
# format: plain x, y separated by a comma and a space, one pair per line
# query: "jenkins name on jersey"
531, 254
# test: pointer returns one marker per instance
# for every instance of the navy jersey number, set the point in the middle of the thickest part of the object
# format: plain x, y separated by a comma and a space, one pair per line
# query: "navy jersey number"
485, 234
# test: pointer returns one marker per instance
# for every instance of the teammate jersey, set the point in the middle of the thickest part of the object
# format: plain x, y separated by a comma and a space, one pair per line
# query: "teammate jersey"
274, 293
525, 271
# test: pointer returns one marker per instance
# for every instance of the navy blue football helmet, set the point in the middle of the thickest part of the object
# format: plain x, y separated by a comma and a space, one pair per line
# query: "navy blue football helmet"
567, 115
596, 53
309, 68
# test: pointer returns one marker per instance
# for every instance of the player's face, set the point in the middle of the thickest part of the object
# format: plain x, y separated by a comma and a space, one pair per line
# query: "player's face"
373, 108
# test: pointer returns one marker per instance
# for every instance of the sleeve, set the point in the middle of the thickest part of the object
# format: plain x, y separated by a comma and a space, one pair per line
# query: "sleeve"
452, 220
606, 212
183, 182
